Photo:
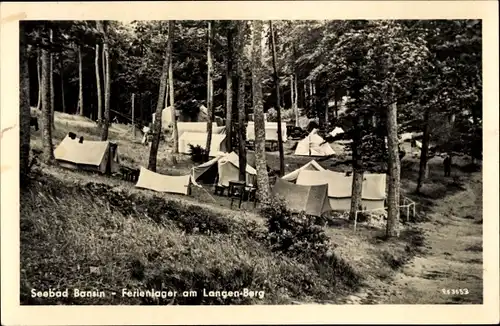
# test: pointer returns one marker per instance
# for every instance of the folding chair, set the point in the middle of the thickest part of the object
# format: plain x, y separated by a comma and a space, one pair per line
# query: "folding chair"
236, 191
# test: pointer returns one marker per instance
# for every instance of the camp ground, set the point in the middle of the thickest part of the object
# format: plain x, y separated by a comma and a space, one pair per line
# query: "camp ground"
329, 216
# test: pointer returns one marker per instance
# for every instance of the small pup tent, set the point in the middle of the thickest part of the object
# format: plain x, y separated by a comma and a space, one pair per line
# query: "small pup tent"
336, 131
340, 188
222, 169
311, 166
311, 199
313, 145
163, 183
217, 145
271, 131
99, 156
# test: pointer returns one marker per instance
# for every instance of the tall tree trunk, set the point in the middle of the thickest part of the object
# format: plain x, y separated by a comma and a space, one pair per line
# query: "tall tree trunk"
357, 178
51, 81
107, 87
80, 81
48, 149
210, 109
133, 115
159, 108
39, 72
24, 107
175, 132
141, 111
292, 98
295, 97
259, 123
242, 151
63, 100
98, 84
424, 152
229, 89
394, 171
278, 105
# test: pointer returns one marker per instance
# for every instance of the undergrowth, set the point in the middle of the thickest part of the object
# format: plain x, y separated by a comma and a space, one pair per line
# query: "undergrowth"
99, 238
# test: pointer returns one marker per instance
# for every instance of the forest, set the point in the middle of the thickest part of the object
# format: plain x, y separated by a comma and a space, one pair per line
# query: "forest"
374, 79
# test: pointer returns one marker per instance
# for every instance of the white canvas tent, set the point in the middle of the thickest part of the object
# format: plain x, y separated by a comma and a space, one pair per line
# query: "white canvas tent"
313, 145
313, 200
271, 131
183, 127
340, 188
311, 166
217, 144
163, 183
336, 131
100, 156
222, 169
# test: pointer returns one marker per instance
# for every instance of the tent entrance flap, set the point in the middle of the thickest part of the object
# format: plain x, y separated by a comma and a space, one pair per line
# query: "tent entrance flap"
313, 200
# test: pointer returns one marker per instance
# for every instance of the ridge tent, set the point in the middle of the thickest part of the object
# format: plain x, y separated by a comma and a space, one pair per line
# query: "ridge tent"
221, 170
271, 131
313, 145
217, 145
183, 127
163, 183
100, 156
340, 188
311, 165
166, 117
336, 131
311, 199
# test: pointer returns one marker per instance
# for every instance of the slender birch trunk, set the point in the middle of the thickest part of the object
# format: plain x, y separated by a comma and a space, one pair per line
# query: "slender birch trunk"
98, 82
394, 172
278, 105
263, 190
210, 108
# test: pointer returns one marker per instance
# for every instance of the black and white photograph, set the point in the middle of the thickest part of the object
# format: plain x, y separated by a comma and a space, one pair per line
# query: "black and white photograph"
251, 162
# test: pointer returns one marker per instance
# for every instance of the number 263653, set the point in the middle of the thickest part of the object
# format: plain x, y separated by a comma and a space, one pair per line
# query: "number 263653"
455, 291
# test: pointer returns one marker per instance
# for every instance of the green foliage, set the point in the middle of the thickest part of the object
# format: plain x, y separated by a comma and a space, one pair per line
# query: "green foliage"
293, 234
198, 153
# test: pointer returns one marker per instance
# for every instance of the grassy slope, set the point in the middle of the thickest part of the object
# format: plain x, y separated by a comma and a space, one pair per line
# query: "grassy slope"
78, 230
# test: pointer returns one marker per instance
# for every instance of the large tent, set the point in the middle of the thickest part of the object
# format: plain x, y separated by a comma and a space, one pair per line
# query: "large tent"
183, 127
340, 188
100, 156
313, 200
217, 145
163, 183
311, 165
271, 131
222, 169
166, 117
313, 145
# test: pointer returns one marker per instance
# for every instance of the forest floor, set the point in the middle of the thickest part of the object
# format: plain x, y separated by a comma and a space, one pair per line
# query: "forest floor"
441, 248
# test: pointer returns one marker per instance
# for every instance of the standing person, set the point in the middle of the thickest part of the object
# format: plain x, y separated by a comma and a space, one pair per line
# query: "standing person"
447, 165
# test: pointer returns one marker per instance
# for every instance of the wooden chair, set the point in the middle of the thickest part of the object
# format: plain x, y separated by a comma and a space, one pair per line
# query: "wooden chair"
236, 191
251, 192
219, 190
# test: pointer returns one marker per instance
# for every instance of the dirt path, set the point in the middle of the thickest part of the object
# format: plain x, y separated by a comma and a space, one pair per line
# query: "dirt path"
452, 259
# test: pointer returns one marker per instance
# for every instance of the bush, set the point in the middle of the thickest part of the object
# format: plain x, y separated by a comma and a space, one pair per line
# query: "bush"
294, 234
198, 153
